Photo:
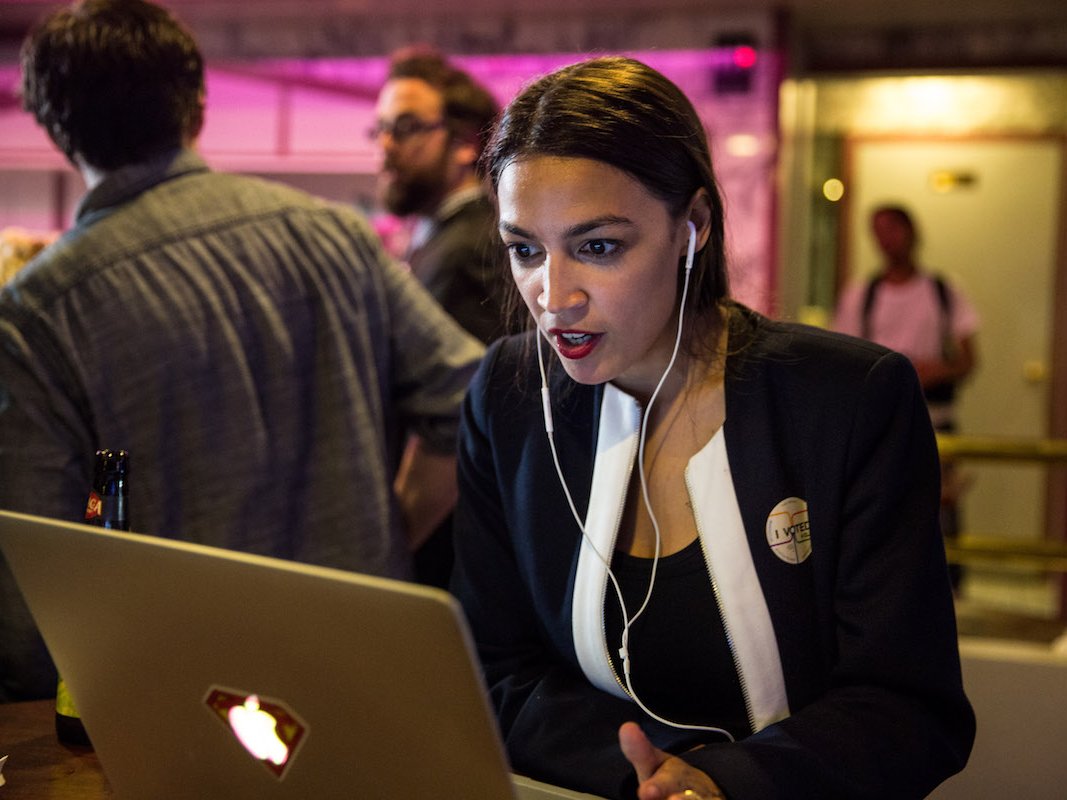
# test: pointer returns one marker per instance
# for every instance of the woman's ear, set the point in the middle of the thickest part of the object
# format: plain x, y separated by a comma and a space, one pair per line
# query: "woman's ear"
699, 213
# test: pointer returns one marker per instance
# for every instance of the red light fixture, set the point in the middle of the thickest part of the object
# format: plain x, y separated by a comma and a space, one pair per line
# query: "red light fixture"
734, 64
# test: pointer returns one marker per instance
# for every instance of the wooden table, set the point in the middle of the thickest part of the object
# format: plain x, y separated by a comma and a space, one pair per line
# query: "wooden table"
38, 766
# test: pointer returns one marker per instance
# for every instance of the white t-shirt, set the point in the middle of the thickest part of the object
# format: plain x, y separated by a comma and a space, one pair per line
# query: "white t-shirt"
906, 317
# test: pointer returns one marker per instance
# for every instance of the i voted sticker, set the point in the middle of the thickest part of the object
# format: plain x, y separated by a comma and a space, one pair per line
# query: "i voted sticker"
788, 531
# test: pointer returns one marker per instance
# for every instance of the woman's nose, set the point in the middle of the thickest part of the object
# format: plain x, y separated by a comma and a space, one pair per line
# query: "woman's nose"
559, 288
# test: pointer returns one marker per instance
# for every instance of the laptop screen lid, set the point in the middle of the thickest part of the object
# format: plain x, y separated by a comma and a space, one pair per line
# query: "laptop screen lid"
168, 647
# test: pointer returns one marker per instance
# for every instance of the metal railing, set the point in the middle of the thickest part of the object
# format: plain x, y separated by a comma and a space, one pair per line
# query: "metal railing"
1006, 553
1002, 551
1002, 448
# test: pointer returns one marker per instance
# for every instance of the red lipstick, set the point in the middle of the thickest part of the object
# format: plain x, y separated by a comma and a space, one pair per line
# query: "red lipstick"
574, 345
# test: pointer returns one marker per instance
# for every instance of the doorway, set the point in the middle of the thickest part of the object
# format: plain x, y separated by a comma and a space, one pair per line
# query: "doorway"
988, 215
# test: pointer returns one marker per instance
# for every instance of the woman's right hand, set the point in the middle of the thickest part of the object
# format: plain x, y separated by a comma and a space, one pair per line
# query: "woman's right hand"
660, 775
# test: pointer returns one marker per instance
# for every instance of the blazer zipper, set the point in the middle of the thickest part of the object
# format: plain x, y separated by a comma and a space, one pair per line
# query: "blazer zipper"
725, 623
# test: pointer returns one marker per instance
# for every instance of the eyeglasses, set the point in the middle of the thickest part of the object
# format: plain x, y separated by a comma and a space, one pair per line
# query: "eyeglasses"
403, 128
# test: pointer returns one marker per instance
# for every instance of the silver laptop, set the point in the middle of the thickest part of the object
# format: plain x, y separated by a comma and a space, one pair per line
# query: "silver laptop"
206, 673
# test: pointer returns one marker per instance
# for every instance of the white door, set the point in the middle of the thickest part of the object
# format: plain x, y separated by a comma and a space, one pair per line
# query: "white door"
986, 212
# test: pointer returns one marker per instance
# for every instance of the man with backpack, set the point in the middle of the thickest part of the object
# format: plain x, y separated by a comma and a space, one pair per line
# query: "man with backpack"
919, 314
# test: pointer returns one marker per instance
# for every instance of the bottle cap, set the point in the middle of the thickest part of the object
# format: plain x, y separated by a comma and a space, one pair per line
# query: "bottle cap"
115, 461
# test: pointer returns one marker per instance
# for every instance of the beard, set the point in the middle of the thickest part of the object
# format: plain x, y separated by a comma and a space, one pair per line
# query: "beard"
404, 192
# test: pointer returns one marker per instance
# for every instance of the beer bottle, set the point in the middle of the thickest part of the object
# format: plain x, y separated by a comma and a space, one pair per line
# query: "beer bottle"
108, 507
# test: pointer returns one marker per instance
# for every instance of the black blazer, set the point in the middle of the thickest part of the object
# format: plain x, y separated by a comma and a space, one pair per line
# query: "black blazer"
865, 626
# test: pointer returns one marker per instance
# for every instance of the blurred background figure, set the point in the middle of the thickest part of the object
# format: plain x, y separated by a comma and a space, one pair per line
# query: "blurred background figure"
433, 120
920, 314
251, 346
17, 247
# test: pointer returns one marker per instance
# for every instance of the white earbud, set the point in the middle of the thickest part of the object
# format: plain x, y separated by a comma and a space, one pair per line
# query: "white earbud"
692, 245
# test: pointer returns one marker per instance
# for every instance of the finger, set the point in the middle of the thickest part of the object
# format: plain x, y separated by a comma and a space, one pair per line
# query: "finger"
691, 794
639, 751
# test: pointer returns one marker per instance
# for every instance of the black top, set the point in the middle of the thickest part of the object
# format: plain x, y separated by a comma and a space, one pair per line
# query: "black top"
667, 662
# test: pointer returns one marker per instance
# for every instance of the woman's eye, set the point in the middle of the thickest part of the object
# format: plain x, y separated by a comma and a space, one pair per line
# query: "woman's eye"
521, 251
599, 247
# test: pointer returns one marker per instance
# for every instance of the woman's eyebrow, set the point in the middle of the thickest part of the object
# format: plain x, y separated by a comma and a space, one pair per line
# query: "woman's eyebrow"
575, 230
599, 222
508, 227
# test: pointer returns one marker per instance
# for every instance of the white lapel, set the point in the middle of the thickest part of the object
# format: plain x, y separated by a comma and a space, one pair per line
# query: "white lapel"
616, 449
735, 582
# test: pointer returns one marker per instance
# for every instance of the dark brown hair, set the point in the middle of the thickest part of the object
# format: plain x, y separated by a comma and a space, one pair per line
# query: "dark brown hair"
623, 113
469, 108
113, 81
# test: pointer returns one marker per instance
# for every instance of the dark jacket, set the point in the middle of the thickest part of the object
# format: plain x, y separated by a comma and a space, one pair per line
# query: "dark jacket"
464, 266
864, 626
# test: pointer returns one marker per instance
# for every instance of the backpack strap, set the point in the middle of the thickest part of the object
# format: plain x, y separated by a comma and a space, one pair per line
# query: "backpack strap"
868, 304
944, 392
944, 300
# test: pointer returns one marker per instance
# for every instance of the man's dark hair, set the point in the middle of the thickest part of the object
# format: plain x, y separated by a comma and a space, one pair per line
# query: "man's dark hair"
113, 81
469, 108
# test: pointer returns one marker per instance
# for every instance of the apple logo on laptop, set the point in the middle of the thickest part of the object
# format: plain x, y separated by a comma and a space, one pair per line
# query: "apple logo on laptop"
257, 730
264, 727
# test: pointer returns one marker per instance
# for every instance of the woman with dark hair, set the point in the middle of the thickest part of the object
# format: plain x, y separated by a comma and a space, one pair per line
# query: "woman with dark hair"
698, 549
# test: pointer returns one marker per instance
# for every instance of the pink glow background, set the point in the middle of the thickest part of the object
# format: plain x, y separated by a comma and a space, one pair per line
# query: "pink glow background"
304, 122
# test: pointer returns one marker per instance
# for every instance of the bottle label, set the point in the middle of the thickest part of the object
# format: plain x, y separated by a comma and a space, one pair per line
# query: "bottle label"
64, 703
93, 508
107, 511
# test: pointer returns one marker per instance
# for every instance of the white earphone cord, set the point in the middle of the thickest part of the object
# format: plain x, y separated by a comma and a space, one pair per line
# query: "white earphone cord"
549, 429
